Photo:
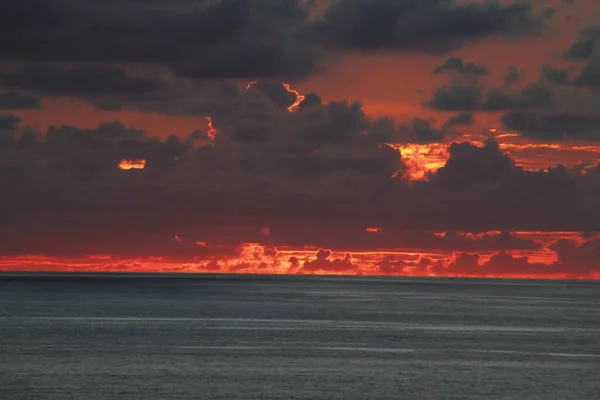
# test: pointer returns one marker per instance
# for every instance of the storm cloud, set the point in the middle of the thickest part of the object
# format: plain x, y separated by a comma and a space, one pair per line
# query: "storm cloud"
422, 26
270, 168
244, 39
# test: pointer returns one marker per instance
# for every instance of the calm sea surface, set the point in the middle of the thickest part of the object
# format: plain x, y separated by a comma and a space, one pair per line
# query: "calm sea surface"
211, 337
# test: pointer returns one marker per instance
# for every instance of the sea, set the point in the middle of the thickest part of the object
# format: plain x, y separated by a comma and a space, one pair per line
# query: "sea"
146, 336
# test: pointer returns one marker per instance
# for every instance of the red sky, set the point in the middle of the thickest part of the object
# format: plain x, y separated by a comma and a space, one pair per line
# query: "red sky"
391, 77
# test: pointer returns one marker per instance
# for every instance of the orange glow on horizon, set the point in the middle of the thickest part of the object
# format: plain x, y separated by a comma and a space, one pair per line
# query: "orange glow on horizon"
256, 258
132, 164
374, 230
253, 260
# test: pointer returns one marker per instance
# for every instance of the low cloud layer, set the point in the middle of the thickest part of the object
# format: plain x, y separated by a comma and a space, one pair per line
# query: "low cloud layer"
318, 176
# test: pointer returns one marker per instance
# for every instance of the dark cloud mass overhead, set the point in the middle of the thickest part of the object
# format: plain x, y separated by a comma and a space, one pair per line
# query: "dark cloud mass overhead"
226, 38
422, 26
12, 100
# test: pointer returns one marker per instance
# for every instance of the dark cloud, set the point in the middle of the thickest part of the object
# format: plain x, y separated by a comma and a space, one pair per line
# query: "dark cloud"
276, 92
484, 187
581, 50
251, 39
225, 38
575, 260
357, 239
13, 100
323, 263
119, 55
62, 30
552, 126
580, 257
319, 175
430, 26
464, 118
590, 75
256, 38
419, 130
584, 47
77, 81
8, 123
244, 39
491, 164
456, 98
327, 150
473, 97
531, 96
512, 76
457, 65
554, 76
500, 264
106, 88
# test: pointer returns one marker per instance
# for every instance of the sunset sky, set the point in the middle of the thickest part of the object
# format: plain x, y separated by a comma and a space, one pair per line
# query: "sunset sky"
370, 137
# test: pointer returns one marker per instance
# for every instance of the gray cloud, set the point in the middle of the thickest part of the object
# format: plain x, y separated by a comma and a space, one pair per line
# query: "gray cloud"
590, 75
584, 47
531, 96
8, 123
554, 76
457, 65
13, 100
419, 130
456, 98
267, 167
111, 53
472, 97
464, 118
503, 263
430, 26
244, 39
512, 76
77, 81
225, 38
551, 126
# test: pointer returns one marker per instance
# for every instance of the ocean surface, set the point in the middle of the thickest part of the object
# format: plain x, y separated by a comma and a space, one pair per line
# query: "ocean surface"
263, 337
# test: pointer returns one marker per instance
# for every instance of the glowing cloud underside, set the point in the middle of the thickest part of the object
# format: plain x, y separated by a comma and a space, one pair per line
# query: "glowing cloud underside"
212, 131
299, 98
250, 84
132, 164
423, 159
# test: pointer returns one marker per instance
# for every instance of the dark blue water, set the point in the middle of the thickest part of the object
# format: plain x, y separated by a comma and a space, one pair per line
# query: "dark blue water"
297, 338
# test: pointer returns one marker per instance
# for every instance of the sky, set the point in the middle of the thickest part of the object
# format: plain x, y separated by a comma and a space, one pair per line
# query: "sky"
359, 137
